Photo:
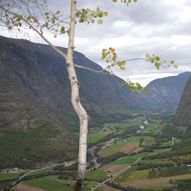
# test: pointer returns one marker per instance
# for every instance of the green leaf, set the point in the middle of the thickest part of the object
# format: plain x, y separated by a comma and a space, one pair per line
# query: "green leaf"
157, 65
147, 55
157, 58
100, 21
62, 30
122, 65
176, 66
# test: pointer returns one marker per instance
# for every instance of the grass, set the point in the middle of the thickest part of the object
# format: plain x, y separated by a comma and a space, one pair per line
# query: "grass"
97, 175
132, 174
151, 128
110, 150
90, 184
139, 174
114, 128
130, 123
133, 139
156, 183
37, 145
95, 137
5, 176
177, 170
52, 183
157, 187
162, 150
125, 126
49, 183
169, 143
27, 137
148, 141
129, 159
123, 177
117, 146
155, 127
43, 170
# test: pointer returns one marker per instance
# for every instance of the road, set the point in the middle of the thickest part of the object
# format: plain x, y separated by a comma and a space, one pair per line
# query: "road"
115, 175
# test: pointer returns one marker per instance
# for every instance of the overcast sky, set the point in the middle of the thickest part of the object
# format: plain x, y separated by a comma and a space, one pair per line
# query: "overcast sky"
162, 27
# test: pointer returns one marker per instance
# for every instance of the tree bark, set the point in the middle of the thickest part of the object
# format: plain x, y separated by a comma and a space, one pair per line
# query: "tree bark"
75, 99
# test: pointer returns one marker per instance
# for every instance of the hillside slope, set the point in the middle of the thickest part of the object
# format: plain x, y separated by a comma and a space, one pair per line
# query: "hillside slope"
37, 122
165, 93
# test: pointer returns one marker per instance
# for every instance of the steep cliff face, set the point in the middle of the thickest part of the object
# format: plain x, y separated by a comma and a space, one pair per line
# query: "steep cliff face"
42, 76
183, 115
35, 110
165, 92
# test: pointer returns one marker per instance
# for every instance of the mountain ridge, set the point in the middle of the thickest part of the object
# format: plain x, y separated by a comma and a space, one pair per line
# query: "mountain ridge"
183, 114
165, 92
35, 103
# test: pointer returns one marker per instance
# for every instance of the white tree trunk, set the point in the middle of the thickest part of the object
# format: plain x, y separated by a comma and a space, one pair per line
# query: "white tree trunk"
75, 98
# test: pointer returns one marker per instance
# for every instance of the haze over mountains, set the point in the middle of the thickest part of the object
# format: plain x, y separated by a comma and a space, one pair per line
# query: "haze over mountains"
35, 102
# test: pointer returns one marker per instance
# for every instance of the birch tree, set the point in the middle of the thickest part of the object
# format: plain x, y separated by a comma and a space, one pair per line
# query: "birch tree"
34, 15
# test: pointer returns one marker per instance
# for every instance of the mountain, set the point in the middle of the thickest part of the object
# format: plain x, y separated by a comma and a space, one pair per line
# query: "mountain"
165, 92
183, 114
37, 122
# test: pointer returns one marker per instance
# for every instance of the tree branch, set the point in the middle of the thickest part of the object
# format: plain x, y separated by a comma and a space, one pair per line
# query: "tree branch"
136, 59
90, 69
38, 32
61, 53
59, 21
108, 67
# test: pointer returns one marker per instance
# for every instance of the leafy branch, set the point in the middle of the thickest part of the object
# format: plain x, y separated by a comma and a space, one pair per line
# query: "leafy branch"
87, 15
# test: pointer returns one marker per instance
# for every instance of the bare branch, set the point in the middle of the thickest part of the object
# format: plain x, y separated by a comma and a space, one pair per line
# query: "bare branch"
89, 69
109, 66
59, 22
136, 59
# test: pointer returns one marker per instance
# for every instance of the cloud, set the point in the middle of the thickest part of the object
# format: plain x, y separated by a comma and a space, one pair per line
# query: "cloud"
160, 27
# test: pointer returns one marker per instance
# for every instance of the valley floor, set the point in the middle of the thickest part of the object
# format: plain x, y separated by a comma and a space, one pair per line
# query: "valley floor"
135, 153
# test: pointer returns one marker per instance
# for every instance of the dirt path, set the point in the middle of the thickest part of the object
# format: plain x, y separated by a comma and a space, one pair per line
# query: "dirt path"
23, 187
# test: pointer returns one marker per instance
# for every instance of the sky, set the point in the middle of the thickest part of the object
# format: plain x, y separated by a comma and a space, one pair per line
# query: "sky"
161, 27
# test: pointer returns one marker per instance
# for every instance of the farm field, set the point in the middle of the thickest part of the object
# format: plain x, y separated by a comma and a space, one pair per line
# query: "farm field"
5, 176
128, 160
95, 137
142, 160
50, 183
155, 127
129, 145
114, 129
24, 187
156, 183
53, 183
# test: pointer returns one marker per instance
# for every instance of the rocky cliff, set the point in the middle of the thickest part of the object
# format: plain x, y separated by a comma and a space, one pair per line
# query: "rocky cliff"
183, 114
